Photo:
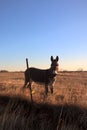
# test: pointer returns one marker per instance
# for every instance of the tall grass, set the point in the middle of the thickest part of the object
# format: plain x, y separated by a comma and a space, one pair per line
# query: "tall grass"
19, 114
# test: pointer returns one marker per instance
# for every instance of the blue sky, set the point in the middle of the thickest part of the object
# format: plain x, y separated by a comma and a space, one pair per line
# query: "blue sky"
37, 29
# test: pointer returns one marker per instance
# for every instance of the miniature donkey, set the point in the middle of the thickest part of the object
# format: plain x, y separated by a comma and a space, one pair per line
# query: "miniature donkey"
42, 76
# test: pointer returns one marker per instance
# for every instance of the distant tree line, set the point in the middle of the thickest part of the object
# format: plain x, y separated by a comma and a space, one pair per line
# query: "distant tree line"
3, 70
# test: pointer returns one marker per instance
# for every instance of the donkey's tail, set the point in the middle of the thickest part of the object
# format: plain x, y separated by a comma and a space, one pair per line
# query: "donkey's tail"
27, 63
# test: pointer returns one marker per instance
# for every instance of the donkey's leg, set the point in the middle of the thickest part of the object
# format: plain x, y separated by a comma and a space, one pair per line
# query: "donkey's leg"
51, 84
29, 86
46, 89
51, 88
27, 80
25, 84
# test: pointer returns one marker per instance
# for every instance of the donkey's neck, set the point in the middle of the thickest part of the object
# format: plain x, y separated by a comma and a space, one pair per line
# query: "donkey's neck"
53, 72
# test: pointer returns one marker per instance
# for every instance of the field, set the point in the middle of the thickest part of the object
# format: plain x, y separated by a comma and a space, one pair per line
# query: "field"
70, 88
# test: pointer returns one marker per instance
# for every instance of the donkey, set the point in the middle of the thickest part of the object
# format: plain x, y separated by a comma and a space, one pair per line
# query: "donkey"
42, 76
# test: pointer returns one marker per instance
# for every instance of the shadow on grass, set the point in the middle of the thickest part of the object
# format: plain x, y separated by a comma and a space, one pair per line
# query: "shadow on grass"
17, 113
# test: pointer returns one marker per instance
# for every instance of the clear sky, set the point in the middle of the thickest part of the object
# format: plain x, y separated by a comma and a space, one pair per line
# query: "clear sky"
37, 29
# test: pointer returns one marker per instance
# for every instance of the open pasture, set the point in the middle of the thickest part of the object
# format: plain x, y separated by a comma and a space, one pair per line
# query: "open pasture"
69, 88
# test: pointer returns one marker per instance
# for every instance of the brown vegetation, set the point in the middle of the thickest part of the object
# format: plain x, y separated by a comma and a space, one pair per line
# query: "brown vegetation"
70, 88
65, 109
20, 114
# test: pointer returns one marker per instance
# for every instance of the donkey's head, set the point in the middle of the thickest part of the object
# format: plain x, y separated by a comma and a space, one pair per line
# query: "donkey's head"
54, 64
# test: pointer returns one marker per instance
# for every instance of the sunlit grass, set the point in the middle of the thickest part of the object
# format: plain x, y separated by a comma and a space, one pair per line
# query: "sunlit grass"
70, 87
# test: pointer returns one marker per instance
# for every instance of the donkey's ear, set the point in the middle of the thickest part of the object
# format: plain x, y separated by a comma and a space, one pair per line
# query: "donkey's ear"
51, 58
57, 58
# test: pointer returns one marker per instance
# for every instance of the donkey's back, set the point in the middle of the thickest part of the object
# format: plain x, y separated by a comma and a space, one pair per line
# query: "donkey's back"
37, 75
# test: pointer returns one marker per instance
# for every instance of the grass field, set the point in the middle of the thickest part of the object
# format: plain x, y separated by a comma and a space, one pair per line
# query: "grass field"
69, 88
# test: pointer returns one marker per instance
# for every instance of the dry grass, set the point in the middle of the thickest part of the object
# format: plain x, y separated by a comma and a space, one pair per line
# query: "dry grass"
70, 88
17, 113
